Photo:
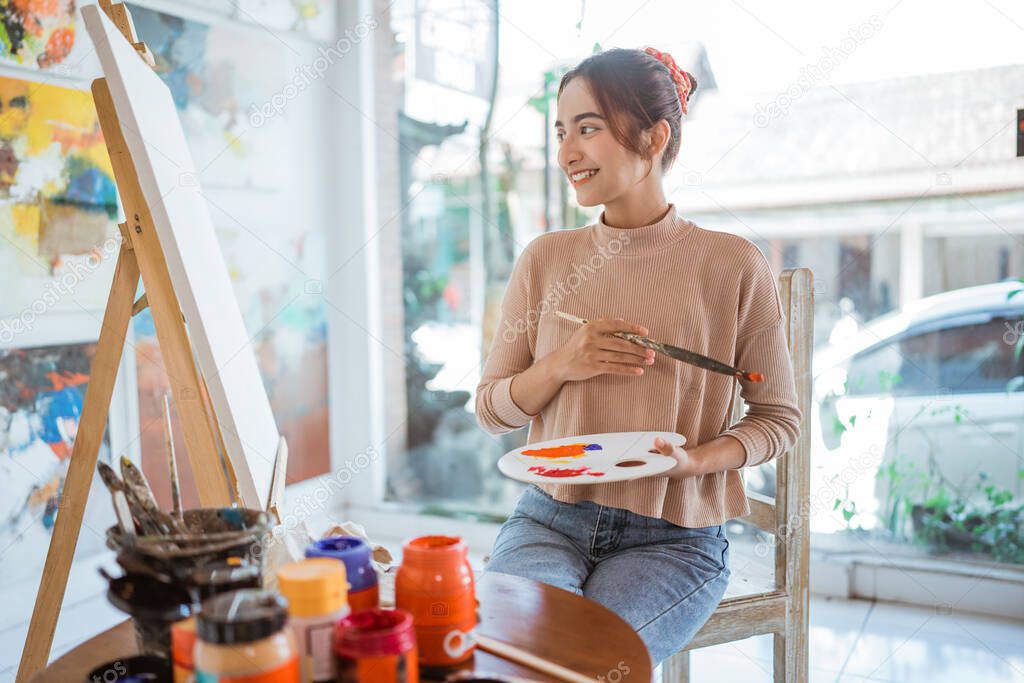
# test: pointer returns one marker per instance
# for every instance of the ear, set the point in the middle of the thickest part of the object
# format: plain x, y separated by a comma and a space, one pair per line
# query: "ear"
658, 136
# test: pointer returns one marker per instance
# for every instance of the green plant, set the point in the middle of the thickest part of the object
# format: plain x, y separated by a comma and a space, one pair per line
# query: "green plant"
994, 525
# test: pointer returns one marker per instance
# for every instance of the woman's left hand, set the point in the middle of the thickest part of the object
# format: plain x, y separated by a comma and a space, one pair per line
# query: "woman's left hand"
686, 464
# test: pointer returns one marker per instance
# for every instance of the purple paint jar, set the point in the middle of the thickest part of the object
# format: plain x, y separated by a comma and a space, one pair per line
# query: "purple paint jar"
355, 553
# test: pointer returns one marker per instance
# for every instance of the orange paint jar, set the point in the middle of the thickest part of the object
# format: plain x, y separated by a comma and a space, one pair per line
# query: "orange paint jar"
435, 585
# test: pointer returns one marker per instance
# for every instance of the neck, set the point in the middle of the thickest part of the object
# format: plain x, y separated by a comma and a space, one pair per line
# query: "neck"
636, 209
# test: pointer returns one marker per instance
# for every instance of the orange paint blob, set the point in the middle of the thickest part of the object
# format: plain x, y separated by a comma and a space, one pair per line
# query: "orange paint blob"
569, 450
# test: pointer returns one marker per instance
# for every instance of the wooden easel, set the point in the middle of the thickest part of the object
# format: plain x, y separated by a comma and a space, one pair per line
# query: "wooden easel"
140, 255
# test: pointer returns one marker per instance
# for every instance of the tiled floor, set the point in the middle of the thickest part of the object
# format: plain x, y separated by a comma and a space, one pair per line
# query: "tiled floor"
850, 641
856, 641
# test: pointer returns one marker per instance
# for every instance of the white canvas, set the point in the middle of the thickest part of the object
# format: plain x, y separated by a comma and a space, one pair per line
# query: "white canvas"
170, 185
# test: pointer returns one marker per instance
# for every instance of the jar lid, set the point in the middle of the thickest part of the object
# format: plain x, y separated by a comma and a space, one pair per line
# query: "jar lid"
145, 598
241, 616
314, 586
222, 577
374, 633
354, 552
445, 550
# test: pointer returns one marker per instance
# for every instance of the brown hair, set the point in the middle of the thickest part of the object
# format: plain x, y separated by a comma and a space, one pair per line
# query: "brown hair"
634, 91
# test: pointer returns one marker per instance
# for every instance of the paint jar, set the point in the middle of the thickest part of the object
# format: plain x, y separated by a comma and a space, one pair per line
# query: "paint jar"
242, 637
137, 669
317, 596
222, 577
183, 643
363, 591
153, 606
435, 585
376, 646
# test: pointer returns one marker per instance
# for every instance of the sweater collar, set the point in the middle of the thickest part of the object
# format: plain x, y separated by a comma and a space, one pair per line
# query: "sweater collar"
644, 239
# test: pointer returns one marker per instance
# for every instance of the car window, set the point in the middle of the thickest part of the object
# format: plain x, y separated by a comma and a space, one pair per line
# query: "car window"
958, 359
874, 371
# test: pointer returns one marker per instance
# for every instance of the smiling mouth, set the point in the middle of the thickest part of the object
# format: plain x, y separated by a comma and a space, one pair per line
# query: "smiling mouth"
580, 177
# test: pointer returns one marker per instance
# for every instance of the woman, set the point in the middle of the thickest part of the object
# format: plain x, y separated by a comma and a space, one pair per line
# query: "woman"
652, 550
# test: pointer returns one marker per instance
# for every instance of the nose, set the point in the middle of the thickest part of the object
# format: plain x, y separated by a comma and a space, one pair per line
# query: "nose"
568, 154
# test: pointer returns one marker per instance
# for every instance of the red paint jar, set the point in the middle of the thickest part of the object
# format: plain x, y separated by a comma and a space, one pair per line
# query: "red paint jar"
435, 585
376, 646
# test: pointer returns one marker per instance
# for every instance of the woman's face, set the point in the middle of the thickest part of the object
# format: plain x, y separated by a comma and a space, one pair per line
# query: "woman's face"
586, 144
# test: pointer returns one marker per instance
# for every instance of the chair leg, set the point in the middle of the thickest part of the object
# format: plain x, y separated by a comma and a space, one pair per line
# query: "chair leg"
779, 655
676, 669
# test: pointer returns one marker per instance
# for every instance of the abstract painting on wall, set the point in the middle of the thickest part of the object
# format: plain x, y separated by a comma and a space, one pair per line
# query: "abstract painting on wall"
41, 396
41, 35
58, 202
218, 75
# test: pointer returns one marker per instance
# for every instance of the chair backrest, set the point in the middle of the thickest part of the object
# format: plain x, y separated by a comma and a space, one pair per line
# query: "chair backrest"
787, 515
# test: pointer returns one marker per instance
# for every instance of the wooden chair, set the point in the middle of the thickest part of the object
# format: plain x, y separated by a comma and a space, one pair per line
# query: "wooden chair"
752, 605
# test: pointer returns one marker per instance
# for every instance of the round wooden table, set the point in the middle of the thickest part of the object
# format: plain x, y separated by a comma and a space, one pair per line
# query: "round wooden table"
543, 620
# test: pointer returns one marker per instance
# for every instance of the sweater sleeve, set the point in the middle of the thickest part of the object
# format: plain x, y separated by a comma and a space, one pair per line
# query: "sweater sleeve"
772, 422
510, 354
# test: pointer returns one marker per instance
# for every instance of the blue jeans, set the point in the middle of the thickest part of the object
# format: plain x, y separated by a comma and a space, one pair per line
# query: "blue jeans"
663, 580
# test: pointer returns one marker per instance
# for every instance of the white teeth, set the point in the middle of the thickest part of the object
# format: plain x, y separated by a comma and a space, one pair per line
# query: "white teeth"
576, 177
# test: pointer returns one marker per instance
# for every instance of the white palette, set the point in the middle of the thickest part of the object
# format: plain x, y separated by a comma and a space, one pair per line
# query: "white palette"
590, 458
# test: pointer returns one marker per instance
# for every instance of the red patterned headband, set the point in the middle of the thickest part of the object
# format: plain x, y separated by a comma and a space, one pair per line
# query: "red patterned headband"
684, 80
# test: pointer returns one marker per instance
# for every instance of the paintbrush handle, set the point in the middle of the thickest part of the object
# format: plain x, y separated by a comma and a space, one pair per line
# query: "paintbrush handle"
514, 654
675, 352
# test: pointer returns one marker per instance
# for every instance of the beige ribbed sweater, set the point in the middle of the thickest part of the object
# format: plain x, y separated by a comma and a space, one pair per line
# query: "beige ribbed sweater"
706, 291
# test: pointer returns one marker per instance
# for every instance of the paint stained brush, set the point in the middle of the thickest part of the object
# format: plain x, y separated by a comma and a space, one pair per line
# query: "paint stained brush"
141, 494
675, 352
118, 490
172, 462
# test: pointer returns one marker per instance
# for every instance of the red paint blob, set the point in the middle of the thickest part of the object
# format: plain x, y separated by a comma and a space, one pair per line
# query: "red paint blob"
563, 471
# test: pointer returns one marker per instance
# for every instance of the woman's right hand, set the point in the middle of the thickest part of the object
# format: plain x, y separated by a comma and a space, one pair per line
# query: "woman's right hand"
593, 350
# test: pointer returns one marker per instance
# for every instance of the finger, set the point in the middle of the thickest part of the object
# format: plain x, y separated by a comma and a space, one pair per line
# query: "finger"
610, 325
619, 368
623, 346
616, 357
664, 447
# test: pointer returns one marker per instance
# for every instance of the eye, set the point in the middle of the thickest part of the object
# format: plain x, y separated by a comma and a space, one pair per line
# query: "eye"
583, 128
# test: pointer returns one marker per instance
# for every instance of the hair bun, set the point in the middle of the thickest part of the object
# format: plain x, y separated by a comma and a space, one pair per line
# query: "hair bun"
686, 84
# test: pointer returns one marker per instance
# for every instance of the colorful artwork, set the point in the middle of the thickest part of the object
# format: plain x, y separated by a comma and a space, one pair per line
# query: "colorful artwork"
218, 75
312, 17
37, 32
571, 450
41, 395
58, 202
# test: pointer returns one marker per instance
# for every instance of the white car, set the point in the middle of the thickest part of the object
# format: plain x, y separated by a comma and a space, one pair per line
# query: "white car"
917, 404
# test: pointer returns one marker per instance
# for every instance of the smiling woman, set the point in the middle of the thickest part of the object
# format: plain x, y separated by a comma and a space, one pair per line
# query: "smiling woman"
618, 129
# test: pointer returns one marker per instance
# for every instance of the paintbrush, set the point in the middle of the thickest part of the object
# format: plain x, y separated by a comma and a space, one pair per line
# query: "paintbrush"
675, 352
118, 492
172, 462
140, 493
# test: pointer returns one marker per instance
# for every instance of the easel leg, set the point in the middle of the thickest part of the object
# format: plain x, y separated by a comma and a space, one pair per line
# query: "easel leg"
81, 467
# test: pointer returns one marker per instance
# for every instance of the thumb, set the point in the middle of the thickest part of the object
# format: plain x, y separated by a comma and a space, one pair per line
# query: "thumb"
664, 446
